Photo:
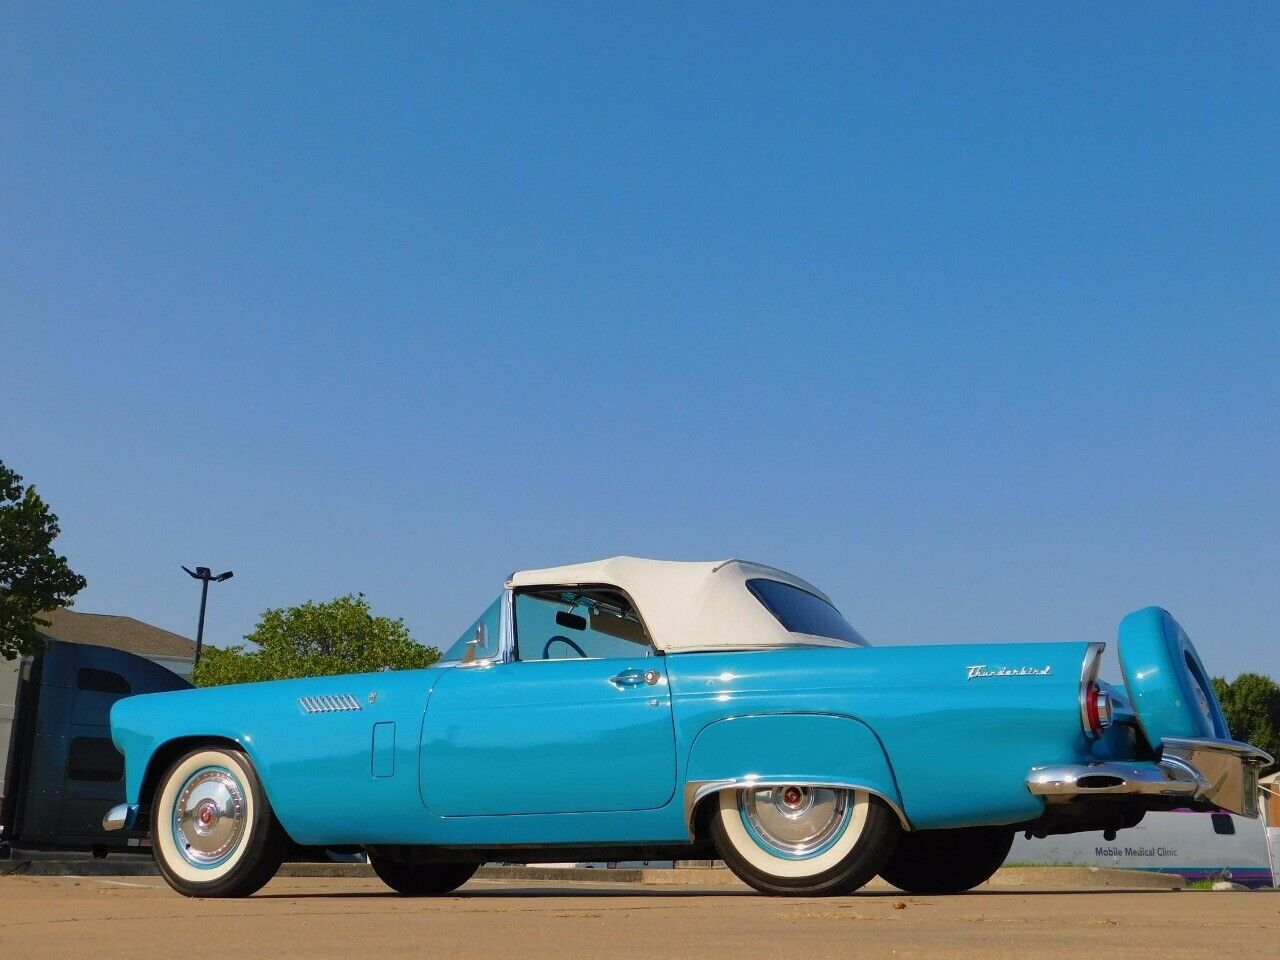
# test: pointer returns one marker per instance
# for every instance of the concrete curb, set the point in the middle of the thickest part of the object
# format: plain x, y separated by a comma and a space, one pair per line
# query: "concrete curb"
1082, 878
1030, 879
1019, 878
140, 867
78, 868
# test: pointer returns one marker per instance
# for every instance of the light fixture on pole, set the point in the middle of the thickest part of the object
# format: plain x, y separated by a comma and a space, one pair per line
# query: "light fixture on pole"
204, 575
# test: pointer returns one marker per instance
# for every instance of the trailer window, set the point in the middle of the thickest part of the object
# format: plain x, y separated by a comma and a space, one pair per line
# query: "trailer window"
102, 681
94, 759
1223, 825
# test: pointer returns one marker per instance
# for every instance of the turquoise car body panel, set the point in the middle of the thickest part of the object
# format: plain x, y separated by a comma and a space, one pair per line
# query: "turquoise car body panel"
553, 752
307, 761
958, 749
816, 746
594, 748
1168, 684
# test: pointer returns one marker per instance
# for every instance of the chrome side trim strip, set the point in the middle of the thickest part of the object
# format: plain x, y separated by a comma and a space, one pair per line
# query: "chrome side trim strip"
696, 790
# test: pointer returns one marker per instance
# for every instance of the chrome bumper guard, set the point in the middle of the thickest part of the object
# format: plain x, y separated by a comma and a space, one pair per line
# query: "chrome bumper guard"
120, 817
1221, 772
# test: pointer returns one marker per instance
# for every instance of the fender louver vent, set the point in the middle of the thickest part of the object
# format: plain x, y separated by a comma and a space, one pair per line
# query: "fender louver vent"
334, 704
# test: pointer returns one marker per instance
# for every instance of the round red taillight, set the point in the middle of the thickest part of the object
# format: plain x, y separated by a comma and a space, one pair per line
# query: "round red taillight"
1097, 709
1103, 701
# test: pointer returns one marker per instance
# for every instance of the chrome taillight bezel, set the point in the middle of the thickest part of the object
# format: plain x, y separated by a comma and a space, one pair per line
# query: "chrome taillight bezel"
1090, 716
1105, 708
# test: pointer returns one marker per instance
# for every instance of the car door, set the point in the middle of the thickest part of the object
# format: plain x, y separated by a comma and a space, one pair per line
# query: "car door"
581, 722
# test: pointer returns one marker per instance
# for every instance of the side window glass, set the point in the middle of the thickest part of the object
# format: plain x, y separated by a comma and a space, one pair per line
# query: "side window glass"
1223, 825
102, 681
578, 624
480, 640
94, 759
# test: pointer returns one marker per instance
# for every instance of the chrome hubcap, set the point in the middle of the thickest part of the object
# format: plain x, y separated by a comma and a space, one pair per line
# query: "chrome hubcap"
209, 817
796, 821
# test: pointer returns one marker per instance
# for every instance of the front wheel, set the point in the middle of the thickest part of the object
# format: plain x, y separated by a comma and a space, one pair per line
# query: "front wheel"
948, 861
799, 840
212, 830
421, 879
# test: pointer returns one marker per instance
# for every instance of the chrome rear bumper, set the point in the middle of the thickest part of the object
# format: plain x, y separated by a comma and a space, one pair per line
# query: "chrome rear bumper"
1221, 772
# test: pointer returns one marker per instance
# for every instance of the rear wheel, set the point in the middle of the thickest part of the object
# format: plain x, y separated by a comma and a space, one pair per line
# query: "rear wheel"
421, 879
212, 830
947, 861
799, 840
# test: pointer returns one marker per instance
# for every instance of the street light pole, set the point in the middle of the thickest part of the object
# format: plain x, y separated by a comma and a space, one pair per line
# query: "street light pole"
204, 600
204, 575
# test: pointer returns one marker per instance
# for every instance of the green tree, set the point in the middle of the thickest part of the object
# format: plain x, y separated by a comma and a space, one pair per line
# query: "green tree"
33, 578
315, 640
1252, 705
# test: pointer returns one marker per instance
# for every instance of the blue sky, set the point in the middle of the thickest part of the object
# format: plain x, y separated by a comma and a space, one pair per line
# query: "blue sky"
969, 314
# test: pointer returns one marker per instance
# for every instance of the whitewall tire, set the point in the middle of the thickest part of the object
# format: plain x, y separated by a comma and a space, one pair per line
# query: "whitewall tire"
796, 839
213, 833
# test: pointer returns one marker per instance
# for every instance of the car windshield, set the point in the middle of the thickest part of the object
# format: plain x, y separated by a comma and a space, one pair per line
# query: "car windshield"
803, 612
592, 623
480, 640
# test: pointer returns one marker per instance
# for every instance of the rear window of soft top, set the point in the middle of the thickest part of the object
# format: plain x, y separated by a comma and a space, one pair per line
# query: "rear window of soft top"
803, 612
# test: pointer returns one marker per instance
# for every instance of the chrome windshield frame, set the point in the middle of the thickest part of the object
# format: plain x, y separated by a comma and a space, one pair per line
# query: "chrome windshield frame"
506, 638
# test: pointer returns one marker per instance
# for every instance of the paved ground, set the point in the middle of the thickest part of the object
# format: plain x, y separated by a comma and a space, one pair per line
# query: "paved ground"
139, 918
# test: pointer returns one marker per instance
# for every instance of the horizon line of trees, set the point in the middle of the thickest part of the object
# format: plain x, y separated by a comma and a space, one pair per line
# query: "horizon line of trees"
343, 635
315, 640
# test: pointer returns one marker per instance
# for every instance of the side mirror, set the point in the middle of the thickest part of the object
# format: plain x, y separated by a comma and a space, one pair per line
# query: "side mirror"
477, 641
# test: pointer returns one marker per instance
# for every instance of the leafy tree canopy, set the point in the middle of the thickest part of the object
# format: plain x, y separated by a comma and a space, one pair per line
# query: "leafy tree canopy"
314, 640
1252, 705
33, 577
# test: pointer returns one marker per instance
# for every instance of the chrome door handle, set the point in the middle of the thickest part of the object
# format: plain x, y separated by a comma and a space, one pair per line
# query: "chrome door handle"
634, 678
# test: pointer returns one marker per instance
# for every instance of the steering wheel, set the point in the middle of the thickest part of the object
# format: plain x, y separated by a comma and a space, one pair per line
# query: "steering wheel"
563, 639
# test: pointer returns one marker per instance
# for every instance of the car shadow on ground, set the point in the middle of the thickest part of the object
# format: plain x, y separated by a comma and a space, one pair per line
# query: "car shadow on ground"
519, 893
622, 892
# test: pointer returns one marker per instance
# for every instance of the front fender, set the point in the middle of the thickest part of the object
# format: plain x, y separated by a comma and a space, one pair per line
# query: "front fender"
789, 748
143, 725
351, 740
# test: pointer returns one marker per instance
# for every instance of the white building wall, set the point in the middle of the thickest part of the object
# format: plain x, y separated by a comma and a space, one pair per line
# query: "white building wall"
10, 671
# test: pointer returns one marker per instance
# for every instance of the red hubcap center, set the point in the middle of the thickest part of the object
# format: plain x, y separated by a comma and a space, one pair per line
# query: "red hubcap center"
792, 796
206, 815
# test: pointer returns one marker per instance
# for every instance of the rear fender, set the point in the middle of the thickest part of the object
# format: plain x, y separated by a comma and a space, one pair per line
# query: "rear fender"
805, 748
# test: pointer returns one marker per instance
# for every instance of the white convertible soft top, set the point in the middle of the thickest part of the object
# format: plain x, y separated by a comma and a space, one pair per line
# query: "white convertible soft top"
689, 605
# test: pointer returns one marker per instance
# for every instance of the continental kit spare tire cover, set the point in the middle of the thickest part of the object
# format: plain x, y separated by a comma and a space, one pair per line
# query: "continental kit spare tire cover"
1167, 683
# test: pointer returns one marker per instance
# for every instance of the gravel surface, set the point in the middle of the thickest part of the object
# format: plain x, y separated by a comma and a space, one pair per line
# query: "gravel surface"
139, 918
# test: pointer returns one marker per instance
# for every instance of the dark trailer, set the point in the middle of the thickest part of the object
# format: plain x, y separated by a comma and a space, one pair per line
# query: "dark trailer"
58, 767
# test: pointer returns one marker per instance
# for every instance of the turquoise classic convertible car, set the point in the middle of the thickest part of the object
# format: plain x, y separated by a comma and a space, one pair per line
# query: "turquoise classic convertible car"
642, 709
